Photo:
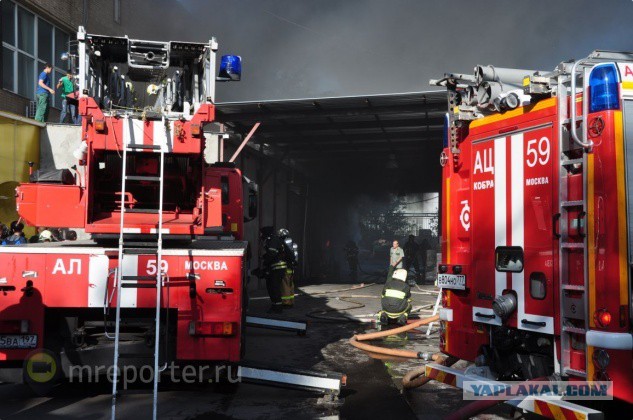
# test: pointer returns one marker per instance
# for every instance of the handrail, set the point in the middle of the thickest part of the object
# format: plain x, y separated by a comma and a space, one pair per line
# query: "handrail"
572, 109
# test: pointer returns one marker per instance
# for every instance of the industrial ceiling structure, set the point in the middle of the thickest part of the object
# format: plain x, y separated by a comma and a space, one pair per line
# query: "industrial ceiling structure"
392, 137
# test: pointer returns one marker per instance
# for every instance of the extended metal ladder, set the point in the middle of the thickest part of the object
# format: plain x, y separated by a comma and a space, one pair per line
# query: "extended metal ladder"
573, 292
136, 281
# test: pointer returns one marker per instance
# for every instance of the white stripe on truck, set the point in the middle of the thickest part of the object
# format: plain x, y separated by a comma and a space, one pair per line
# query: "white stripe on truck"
501, 234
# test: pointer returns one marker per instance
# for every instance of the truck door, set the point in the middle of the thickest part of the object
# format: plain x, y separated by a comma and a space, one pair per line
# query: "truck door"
513, 196
532, 175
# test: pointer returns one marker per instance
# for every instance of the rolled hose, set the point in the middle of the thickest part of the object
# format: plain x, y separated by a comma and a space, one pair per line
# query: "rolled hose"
415, 377
356, 340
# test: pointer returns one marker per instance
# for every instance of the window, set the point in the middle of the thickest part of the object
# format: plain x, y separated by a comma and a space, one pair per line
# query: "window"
509, 259
28, 41
26, 31
27, 79
8, 22
61, 45
7, 68
45, 41
538, 285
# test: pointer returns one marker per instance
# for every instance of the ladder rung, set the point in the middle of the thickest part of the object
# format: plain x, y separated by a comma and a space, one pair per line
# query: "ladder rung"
574, 287
134, 147
572, 203
137, 210
574, 330
140, 278
138, 285
572, 245
142, 178
575, 372
139, 244
140, 251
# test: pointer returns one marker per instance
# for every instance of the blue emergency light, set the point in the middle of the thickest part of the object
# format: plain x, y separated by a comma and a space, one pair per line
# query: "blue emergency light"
231, 67
604, 88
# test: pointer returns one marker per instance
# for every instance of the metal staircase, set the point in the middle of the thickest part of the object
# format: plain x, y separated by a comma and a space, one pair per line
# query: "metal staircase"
573, 161
153, 247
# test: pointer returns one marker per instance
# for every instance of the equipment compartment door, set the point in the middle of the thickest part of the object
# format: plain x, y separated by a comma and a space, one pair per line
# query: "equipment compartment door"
488, 222
513, 190
533, 178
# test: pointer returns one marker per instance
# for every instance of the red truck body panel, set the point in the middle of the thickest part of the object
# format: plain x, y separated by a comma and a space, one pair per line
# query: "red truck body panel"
81, 276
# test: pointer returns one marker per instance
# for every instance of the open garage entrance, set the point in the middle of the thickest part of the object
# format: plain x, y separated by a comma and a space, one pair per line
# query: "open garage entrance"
334, 170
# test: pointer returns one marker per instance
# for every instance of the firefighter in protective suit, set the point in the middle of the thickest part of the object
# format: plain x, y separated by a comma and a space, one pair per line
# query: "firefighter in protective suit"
274, 266
291, 257
396, 299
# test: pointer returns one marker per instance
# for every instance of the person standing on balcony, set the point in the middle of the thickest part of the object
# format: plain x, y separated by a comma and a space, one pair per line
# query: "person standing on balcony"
43, 94
69, 103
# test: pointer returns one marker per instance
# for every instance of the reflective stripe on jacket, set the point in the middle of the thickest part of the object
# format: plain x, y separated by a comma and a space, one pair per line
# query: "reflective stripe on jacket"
281, 265
395, 294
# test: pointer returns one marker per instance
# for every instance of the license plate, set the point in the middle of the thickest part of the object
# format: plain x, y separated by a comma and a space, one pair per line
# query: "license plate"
18, 341
451, 281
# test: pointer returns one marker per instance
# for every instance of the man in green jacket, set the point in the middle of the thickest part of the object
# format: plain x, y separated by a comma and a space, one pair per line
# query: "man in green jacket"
69, 104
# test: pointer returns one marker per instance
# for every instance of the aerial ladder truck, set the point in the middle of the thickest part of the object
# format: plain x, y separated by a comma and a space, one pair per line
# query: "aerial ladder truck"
162, 279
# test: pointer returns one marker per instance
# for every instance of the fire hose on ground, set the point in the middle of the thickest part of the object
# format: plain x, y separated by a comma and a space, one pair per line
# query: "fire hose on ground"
415, 377
356, 340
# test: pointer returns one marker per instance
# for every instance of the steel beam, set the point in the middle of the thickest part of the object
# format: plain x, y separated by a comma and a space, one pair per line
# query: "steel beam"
327, 383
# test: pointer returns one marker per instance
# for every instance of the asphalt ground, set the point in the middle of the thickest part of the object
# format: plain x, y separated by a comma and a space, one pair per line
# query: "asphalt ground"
373, 386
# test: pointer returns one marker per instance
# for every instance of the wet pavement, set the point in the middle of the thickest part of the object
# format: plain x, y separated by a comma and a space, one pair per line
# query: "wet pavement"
373, 386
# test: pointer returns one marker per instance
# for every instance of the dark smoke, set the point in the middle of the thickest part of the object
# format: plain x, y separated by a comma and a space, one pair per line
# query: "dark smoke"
294, 48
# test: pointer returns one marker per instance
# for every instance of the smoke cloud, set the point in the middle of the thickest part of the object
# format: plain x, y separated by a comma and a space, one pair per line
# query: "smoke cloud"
293, 48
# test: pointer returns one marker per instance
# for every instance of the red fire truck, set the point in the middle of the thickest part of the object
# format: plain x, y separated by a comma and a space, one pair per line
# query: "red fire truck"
162, 279
536, 227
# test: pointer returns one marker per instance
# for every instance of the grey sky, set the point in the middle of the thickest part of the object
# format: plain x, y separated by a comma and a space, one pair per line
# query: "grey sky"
300, 48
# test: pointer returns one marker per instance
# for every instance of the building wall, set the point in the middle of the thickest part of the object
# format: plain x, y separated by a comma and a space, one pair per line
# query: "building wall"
57, 143
19, 144
97, 16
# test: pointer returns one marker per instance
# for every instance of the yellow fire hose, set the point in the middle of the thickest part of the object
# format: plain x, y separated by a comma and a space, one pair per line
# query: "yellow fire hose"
356, 340
415, 377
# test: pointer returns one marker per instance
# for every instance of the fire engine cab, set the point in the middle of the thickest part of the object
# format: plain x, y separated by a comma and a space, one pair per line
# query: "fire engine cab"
537, 224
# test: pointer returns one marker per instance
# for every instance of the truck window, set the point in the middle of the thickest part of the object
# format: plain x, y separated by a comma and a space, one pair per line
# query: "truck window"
509, 259
538, 283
